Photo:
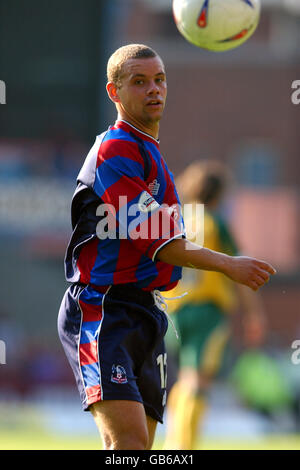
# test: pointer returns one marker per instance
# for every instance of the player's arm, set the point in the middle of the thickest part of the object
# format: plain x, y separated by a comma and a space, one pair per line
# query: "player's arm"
241, 269
119, 182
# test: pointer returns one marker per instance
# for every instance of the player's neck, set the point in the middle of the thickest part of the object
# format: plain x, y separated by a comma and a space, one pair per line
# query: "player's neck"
153, 130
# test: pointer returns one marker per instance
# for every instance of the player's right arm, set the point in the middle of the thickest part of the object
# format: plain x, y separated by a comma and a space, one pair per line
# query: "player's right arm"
120, 184
241, 269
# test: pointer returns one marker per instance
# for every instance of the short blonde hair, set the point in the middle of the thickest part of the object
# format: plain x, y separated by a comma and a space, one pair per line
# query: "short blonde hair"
121, 55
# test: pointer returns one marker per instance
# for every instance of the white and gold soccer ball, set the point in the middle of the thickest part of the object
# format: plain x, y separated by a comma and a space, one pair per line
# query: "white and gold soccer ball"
216, 25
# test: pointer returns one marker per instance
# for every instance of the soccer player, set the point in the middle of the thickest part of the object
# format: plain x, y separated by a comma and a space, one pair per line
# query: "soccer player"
202, 317
128, 245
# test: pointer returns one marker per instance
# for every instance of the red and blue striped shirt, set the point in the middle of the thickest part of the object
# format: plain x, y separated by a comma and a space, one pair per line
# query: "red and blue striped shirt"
124, 210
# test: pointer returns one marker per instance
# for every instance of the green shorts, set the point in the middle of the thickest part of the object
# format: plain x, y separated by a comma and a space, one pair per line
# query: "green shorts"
204, 333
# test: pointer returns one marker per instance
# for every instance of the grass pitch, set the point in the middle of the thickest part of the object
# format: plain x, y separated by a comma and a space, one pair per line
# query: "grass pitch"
33, 440
25, 428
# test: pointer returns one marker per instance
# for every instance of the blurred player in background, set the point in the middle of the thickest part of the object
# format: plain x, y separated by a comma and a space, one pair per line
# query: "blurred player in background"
202, 316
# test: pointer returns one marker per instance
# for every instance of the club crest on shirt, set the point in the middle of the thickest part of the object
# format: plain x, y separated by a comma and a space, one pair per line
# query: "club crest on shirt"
147, 203
118, 375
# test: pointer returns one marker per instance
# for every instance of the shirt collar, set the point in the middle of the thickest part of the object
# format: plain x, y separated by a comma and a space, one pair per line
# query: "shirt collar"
122, 123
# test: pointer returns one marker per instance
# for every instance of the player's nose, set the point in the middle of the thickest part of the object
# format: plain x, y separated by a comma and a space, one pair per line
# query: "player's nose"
153, 88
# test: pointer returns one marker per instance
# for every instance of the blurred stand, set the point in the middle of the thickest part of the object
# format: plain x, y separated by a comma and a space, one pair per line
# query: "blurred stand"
236, 106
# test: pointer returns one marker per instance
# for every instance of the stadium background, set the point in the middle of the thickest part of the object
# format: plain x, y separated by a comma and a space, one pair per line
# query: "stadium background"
235, 107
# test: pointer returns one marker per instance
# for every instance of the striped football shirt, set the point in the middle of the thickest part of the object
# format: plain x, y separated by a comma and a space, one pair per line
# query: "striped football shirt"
125, 208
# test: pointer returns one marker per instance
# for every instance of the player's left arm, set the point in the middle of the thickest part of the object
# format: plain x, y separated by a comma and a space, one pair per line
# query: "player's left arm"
120, 184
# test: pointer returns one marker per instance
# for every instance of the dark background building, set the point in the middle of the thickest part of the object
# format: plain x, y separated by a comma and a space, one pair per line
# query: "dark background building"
235, 107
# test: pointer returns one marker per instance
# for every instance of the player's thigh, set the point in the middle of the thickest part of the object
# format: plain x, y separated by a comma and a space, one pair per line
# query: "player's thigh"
205, 335
151, 425
212, 355
122, 424
188, 377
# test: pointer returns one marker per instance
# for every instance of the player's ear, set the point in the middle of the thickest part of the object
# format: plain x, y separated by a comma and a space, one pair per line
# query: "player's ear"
112, 92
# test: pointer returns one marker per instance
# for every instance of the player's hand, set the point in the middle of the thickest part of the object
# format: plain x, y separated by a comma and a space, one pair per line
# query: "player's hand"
249, 271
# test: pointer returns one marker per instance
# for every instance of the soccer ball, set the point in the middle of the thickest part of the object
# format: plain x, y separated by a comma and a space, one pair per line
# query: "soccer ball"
217, 25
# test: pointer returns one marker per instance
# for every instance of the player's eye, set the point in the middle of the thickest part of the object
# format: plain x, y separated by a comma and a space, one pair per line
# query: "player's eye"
139, 82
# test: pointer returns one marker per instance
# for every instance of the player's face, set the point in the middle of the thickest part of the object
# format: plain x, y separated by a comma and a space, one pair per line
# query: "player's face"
142, 93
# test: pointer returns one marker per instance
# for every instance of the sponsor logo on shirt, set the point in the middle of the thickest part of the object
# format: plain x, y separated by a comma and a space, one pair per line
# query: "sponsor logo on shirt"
147, 203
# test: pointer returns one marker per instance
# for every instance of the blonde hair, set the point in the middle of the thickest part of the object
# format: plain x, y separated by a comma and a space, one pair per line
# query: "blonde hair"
121, 55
